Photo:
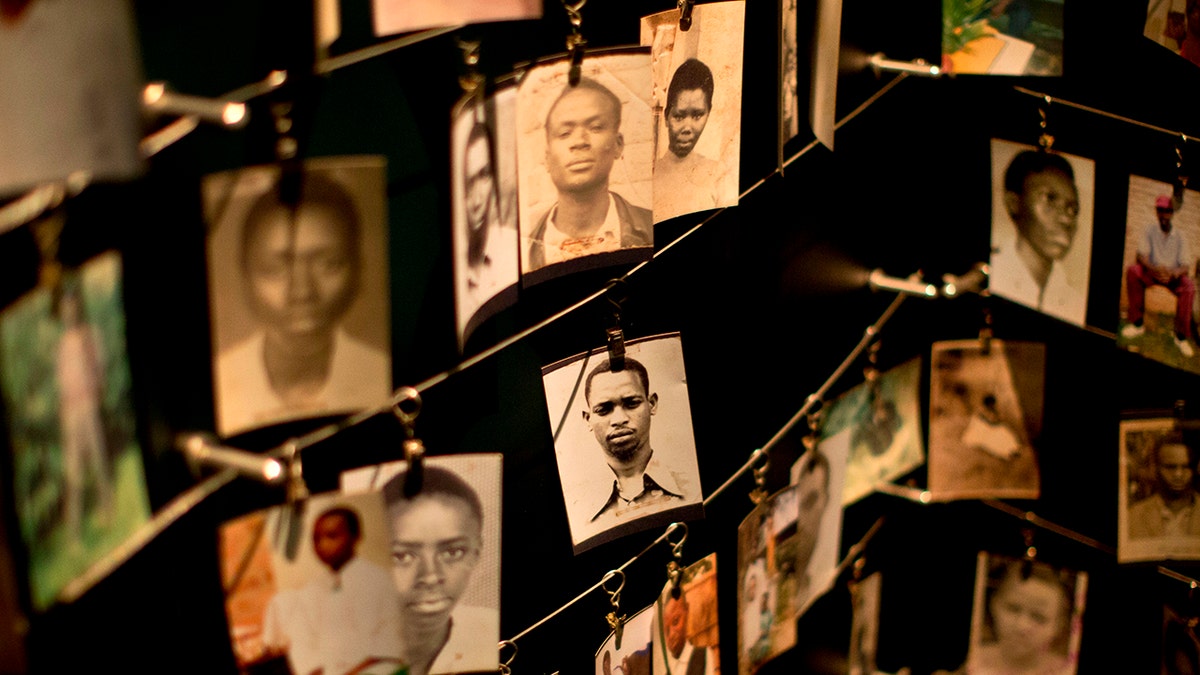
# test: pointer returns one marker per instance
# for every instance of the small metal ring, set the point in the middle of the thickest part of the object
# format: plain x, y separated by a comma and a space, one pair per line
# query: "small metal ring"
613, 596
677, 546
505, 666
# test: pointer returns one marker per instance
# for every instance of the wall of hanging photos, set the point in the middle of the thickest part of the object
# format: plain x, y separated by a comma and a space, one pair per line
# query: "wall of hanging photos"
433, 338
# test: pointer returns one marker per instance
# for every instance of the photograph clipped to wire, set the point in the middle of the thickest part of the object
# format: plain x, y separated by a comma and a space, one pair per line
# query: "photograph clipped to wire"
686, 638
1158, 516
630, 653
1003, 37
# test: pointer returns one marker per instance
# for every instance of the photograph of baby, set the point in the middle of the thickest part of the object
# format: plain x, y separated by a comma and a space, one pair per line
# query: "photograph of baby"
864, 627
1157, 514
1027, 618
586, 153
623, 440
1158, 289
698, 96
399, 16
483, 182
629, 655
298, 291
78, 480
1042, 229
885, 417
985, 416
1175, 24
686, 640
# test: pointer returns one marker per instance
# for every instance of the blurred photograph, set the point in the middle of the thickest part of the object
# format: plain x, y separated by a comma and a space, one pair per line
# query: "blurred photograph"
864, 627
1180, 643
399, 16
686, 639
1158, 517
1175, 24
1005, 37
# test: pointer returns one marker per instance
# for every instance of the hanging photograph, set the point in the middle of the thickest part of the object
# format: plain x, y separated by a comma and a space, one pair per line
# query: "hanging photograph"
789, 74
630, 654
864, 627
1027, 617
586, 154
623, 440
1180, 643
1175, 24
1042, 229
1158, 517
70, 88
985, 416
1005, 37
309, 588
298, 291
78, 481
822, 102
698, 96
1158, 287
399, 16
885, 418
453, 625
788, 553
483, 181
685, 638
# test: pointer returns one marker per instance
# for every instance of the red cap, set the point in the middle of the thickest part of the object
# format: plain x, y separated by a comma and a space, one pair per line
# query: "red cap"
1164, 202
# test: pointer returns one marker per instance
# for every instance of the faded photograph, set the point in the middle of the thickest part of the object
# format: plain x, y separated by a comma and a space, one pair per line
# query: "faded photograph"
483, 184
864, 626
298, 291
1158, 301
399, 16
586, 157
1027, 618
1175, 24
629, 655
884, 417
623, 440
789, 74
1042, 229
697, 95
1158, 516
78, 480
1180, 643
1005, 37
445, 545
686, 639
985, 415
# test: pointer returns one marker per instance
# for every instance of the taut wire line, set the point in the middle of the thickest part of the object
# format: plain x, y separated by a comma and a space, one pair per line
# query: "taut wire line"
332, 63
1104, 113
1034, 519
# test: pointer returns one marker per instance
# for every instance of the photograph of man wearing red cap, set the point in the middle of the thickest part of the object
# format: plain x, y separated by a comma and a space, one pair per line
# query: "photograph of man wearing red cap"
1161, 256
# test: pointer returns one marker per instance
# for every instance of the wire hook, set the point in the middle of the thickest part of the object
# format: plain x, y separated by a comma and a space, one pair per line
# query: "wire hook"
506, 665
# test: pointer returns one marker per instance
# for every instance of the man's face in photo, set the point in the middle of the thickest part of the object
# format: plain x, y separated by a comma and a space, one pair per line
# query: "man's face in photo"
686, 120
300, 276
813, 496
675, 614
1164, 218
1046, 212
479, 182
333, 540
1175, 472
582, 140
619, 414
435, 545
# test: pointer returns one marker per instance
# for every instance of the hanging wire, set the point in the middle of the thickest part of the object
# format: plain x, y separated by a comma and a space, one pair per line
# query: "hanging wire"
328, 65
1104, 113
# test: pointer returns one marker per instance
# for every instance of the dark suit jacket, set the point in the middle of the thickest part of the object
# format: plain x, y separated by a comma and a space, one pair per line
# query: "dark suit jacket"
637, 229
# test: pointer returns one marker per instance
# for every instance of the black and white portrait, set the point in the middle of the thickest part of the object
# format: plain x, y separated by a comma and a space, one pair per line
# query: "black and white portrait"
686, 637
789, 74
697, 94
1158, 516
399, 16
445, 558
1027, 617
298, 291
1042, 229
631, 654
985, 415
623, 440
586, 158
484, 202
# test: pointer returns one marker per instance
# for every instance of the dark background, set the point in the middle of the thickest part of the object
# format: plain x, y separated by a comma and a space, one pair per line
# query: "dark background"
769, 297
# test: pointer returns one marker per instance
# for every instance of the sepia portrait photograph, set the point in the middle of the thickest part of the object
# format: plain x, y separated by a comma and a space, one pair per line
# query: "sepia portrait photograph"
623, 440
445, 544
630, 654
1180, 643
1158, 517
864, 625
483, 183
70, 92
789, 74
885, 421
686, 639
298, 291
1042, 229
1027, 617
985, 416
1175, 25
586, 153
78, 480
698, 97
399, 16
1158, 304
1005, 37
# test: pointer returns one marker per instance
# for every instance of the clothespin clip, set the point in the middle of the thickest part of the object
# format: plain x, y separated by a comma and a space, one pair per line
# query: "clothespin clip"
506, 664
1181, 179
615, 622
759, 493
1045, 140
471, 80
406, 408
297, 493
575, 41
675, 566
614, 336
685, 14
203, 449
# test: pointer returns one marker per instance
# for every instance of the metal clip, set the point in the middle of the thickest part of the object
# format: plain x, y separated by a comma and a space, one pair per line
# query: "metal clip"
759, 493
297, 493
685, 14
470, 81
615, 622
986, 333
406, 408
1045, 140
675, 566
575, 41
1181, 178
614, 336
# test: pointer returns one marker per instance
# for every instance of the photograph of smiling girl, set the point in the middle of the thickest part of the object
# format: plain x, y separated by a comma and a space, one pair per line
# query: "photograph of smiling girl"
698, 96
1042, 229
1027, 618
298, 291
585, 154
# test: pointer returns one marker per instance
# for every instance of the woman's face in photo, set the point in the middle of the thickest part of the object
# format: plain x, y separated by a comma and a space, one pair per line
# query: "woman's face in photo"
435, 545
1027, 615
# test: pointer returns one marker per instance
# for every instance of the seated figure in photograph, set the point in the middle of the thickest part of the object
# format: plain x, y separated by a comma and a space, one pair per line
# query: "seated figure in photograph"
1163, 259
